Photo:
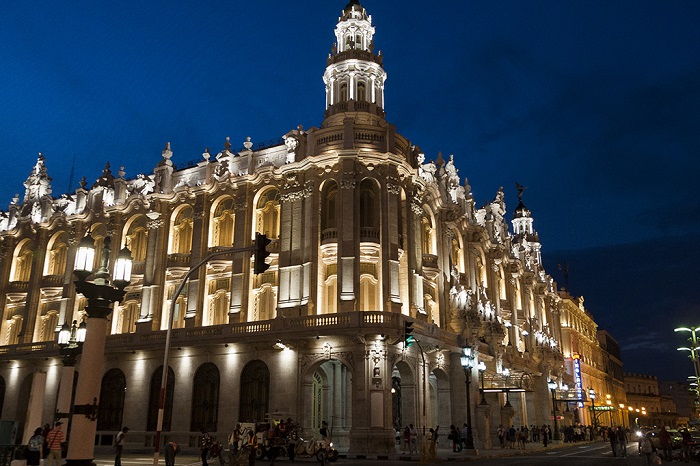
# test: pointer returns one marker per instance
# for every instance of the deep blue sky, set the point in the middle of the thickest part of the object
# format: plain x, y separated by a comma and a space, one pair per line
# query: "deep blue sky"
595, 106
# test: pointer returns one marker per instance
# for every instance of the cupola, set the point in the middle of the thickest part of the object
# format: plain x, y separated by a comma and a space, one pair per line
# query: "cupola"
354, 76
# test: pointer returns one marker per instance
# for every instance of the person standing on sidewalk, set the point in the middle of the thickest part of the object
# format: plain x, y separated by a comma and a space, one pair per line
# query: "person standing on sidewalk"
413, 447
171, 450
119, 446
54, 439
205, 446
34, 448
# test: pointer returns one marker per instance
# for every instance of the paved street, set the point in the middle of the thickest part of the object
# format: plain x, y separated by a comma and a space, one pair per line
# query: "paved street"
583, 454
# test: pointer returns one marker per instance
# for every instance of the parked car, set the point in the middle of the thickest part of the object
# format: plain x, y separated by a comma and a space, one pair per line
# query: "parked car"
676, 439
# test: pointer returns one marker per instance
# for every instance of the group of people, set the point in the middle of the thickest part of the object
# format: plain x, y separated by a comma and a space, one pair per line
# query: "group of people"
50, 444
521, 436
46, 443
618, 441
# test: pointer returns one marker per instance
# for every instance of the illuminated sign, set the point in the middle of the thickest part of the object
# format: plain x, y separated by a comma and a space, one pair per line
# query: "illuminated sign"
577, 378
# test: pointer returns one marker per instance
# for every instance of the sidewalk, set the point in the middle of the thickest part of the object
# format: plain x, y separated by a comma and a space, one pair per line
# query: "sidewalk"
445, 453
104, 457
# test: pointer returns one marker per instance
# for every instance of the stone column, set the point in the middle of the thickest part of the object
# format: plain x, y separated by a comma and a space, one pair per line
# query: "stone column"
482, 439
36, 405
81, 453
65, 392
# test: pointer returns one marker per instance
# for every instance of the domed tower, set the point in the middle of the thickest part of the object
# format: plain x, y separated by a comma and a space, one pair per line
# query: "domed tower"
523, 228
354, 76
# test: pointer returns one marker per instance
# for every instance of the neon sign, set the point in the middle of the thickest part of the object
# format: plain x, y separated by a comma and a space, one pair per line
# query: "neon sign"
577, 378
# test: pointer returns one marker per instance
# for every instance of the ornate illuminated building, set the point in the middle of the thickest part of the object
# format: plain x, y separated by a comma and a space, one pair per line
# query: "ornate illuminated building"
367, 234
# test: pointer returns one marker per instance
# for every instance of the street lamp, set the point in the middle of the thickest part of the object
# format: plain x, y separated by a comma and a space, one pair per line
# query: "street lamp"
467, 361
101, 294
552, 388
70, 342
506, 373
591, 394
565, 389
482, 368
70, 345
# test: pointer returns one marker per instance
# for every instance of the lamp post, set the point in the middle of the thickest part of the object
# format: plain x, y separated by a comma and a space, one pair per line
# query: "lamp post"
482, 368
467, 361
70, 345
101, 294
553, 388
506, 373
591, 394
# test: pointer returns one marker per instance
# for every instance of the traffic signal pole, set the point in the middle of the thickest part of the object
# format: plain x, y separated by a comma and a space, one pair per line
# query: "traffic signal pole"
166, 354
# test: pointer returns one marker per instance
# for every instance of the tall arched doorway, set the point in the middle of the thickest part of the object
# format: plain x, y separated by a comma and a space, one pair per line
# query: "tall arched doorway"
326, 396
154, 400
255, 392
205, 398
111, 409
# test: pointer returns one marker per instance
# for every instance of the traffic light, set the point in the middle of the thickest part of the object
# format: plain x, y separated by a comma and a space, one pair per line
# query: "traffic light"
408, 339
261, 253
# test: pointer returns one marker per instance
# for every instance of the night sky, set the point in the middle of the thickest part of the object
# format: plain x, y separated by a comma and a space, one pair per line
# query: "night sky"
594, 106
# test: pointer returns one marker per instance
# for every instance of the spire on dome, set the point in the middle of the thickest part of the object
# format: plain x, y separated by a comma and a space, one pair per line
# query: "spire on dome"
521, 210
354, 10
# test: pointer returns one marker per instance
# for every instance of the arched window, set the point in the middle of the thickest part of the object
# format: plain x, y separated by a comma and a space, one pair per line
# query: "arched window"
205, 399
255, 392
181, 234
369, 298
136, 239
330, 291
22, 262
328, 208
361, 91
268, 214
55, 263
222, 224
47, 327
343, 94
12, 328
369, 212
265, 303
154, 400
426, 235
317, 414
127, 316
180, 308
111, 409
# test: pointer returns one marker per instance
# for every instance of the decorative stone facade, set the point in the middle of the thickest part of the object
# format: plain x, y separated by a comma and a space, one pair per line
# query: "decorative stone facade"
367, 235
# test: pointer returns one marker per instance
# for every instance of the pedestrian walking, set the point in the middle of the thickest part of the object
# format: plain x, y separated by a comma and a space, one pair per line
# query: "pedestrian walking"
432, 449
406, 440
171, 451
646, 449
119, 446
665, 443
501, 436
205, 446
456, 438
325, 435
252, 445
54, 440
621, 440
35, 448
44, 433
545, 437
612, 437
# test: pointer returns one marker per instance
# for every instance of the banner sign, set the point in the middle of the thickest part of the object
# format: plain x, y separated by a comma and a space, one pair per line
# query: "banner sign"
577, 378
